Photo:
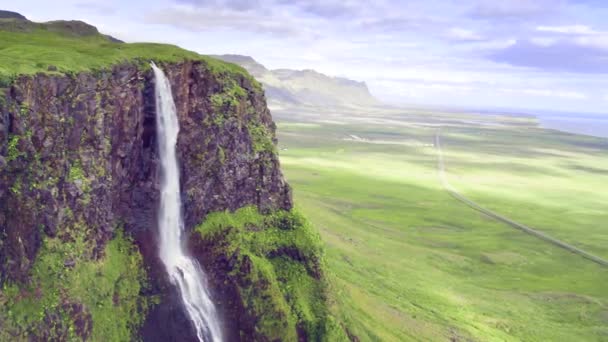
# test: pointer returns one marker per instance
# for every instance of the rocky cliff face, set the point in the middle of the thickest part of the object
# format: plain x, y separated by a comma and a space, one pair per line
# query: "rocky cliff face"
78, 165
87, 143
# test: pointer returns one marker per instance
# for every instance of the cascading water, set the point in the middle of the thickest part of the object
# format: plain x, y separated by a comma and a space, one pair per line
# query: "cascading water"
184, 272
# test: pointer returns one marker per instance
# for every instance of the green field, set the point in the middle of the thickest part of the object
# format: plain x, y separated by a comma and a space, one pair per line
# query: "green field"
409, 262
63, 47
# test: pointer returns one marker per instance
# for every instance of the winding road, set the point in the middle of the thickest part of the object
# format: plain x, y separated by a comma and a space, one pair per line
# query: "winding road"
454, 193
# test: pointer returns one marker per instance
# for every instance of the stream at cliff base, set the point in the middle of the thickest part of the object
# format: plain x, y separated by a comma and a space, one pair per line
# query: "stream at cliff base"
184, 272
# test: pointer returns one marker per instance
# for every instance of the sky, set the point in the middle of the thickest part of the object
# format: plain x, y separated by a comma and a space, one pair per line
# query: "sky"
511, 54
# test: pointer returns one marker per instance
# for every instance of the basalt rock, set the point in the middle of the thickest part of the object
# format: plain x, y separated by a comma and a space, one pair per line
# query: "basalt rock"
78, 155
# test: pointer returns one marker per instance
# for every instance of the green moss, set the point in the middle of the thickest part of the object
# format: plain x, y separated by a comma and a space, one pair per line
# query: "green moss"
280, 229
76, 172
100, 169
6, 80
260, 137
13, 148
277, 269
16, 187
237, 92
217, 100
229, 99
24, 110
67, 211
221, 155
223, 69
109, 289
219, 119
2, 98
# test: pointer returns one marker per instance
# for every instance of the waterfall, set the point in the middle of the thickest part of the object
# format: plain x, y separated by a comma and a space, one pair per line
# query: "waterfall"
184, 271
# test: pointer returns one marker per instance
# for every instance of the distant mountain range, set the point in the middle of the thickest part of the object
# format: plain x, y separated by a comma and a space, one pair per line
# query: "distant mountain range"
15, 22
304, 87
11, 15
284, 87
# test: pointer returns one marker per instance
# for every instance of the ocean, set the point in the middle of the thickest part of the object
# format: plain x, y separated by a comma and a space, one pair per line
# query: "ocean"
587, 124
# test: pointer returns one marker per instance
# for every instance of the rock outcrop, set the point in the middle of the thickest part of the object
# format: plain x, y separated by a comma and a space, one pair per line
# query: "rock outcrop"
78, 158
87, 143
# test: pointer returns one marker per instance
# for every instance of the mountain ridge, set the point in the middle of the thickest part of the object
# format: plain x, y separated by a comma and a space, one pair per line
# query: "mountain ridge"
305, 87
11, 15
16, 22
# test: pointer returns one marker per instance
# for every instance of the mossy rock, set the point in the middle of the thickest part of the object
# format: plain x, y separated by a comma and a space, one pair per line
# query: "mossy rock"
273, 264
73, 297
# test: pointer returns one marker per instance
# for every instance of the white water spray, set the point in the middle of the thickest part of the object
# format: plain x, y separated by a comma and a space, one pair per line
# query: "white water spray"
184, 272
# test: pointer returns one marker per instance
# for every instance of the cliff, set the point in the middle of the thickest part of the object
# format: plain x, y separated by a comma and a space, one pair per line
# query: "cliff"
79, 187
305, 87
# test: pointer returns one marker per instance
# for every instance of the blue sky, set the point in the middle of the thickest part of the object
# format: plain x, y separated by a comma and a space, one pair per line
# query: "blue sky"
531, 54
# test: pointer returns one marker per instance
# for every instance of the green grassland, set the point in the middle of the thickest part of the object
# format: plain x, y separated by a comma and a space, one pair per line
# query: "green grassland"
36, 47
552, 181
406, 260
409, 262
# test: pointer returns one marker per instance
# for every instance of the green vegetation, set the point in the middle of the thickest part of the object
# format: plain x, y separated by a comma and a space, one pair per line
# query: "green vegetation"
95, 298
229, 99
76, 172
229, 104
16, 186
50, 51
260, 137
552, 181
13, 148
408, 262
5, 81
277, 262
221, 155
224, 69
405, 261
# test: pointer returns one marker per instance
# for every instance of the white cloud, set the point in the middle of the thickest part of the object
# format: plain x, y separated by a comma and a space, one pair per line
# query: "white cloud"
544, 41
402, 48
598, 41
513, 9
461, 34
396, 91
564, 94
583, 35
569, 29
199, 19
497, 44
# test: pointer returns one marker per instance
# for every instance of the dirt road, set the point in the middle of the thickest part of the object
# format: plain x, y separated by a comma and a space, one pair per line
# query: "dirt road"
454, 193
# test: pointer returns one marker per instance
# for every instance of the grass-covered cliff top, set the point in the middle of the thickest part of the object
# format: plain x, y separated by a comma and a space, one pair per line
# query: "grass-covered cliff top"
72, 46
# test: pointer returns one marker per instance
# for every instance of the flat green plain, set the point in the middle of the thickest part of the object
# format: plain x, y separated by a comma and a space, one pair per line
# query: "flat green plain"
409, 262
